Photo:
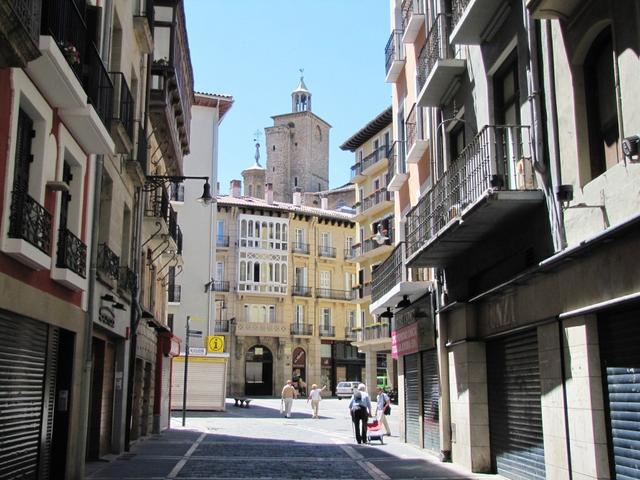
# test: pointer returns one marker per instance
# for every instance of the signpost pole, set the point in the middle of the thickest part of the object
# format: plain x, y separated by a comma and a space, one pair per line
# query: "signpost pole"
186, 370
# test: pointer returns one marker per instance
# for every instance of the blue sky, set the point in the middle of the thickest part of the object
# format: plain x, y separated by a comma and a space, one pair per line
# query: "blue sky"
252, 50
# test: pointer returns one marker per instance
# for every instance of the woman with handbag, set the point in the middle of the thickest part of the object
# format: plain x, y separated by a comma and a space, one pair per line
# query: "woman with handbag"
383, 408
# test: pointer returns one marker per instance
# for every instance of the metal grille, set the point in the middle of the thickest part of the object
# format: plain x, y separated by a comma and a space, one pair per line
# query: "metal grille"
394, 51
412, 399
30, 221
389, 273
430, 401
72, 253
49, 402
435, 48
620, 355
515, 413
22, 382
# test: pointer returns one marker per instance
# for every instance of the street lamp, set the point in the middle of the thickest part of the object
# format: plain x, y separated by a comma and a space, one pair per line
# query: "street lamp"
155, 181
190, 333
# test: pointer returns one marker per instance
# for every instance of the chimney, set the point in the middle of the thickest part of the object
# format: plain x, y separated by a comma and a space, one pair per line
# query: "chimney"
236, 188
297, 196
324, 203
268, 193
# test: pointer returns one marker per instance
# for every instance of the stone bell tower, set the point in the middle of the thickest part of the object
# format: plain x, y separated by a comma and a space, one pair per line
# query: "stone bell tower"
297, 148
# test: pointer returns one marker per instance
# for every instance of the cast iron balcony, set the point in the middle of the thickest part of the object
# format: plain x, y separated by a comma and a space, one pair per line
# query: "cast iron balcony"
495, 169
174, 293
301, 329
379, 197
397, 168
437, 69
30, 221
412, 19
416, 143
351, 252
222, 241
388, 273
126, 280
349, 333
72, 253
301, 291
394, 58
221, 326
333, 294
363, 167
108, 264
376, 332
123, 107
19, 32
158, 204
476, 20
327, 331
326, 251
300, 248
220, 286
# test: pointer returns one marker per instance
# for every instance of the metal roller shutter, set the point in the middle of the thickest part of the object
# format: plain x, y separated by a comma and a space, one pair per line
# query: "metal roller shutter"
412, 399
431, 400
207, 383
23, 359
620, 355
515, 414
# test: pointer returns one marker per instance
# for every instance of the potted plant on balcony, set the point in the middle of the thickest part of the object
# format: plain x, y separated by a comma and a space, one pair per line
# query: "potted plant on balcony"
70, 52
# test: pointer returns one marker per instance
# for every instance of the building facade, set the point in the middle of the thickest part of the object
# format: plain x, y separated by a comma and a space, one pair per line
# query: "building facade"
297, 149
283, 293
519, 135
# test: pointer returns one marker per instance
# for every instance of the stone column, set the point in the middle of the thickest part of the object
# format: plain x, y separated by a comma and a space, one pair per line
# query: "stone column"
371, 368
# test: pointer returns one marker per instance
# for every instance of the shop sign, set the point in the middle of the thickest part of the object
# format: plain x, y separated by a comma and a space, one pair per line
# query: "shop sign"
394, 345
299, 358
407, 341
197, 351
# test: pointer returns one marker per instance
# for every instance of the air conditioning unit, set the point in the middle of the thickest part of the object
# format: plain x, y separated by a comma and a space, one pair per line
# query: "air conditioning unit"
525, 178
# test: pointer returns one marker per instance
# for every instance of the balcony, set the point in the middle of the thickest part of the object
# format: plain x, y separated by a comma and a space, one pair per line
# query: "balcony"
302, 329
416, 143
263, 329
136, 161
156, 215
475, 21
374, 204
491, 181
361, 293
221, 326
108, 265
326, 251
301, 291
550, 9
122, 118
437, 68
126, 282
29, 236
350, 334
394, 56
391, 280
171, 85
71, 261
412, 19
327, 331
379, 331
19, 32
369, 164
371, 248
174, 294
72, 76
397, 169
301, 248
222, 241
143, 24
220, 286
328, 293
175, 233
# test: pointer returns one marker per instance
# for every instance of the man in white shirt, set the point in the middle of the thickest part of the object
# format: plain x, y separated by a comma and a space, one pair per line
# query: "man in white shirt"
315, 395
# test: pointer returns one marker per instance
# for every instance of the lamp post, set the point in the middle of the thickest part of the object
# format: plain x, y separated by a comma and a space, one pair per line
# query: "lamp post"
190, 333
155, 181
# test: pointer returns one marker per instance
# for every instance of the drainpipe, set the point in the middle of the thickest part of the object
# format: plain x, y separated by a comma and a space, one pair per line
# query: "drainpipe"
443, 360
85, 388
564, 397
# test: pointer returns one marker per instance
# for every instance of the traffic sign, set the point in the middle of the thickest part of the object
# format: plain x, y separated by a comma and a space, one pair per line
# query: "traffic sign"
215, 344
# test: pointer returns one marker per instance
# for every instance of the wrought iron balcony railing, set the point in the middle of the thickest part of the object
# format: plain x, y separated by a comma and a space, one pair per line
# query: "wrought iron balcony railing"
349, 333
220, 286
72, 253
376, 332
396, 160
123, 105
301, 329
457, 10
64, 21
157, 204
410, 128
142, 149
222, 240
98, 85
20, 27
221, 326
394, 51
374, 157
179, 239
30, 221
108, 263
435, 48
498, 157
300, 248
126, 280
360, 292
377, 197
325, 251
409, 8
174, 293
333, 294
301, 291
389, 273
327, 331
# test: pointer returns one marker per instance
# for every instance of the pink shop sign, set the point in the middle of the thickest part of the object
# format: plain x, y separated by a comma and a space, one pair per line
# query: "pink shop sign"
404, 341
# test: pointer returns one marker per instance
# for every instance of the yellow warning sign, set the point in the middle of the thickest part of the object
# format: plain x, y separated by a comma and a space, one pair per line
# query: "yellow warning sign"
215, 344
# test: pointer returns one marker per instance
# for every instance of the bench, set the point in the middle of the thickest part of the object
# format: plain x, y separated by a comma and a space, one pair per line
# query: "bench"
242, 402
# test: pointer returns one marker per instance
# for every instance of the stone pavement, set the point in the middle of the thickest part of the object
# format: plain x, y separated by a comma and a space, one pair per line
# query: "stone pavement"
258, 443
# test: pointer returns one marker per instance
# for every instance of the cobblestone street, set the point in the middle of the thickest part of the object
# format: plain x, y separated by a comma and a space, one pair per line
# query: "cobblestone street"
258, 443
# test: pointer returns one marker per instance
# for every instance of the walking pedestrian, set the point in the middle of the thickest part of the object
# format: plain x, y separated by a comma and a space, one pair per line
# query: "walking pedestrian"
288, 394
315, 395
383, 408
360, 408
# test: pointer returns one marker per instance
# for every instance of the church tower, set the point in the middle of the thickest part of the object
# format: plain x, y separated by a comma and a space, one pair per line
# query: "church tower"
253, 178
297, 149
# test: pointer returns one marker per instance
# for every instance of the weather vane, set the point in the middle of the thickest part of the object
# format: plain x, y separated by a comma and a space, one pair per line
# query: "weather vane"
257, 134
301, 70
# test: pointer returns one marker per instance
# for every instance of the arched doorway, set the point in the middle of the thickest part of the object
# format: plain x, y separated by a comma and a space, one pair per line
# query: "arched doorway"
258, 371
298, 371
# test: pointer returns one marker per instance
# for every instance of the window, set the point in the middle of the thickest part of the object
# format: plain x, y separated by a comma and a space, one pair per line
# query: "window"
602, 115
299, 237
299, 315
219, 271
325, 319
258, 313
351, 319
